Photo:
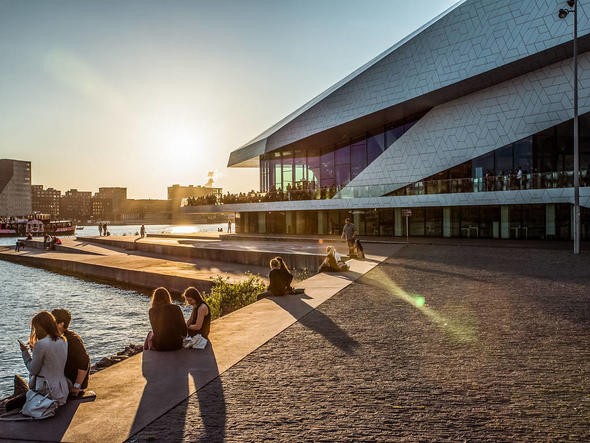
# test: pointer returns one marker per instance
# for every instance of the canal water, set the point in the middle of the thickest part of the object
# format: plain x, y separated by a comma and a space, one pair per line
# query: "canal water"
108, 318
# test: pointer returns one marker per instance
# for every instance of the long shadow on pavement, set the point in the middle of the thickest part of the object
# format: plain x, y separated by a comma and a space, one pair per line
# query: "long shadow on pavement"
317, 321
170, 377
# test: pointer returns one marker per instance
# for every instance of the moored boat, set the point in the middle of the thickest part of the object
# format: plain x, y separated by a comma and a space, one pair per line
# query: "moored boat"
37, 226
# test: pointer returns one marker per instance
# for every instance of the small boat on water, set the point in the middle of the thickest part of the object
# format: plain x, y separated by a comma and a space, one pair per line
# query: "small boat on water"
37, 225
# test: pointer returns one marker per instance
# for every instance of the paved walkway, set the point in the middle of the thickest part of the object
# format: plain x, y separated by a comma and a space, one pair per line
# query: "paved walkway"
439, 343
137, 391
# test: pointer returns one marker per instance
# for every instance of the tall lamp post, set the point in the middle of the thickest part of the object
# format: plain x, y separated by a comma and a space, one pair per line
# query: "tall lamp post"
573, 4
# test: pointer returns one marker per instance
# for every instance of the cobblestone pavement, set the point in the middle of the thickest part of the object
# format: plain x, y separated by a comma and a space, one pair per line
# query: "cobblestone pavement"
439, 343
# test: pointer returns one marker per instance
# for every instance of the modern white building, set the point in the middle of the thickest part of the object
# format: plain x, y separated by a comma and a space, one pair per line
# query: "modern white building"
467, 122
15, 188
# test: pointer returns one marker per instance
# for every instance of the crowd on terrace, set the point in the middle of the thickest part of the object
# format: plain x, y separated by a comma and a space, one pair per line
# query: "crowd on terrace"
304, 190
506, 181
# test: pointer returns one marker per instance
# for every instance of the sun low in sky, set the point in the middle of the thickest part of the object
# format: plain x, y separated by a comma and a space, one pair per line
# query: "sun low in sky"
145, 94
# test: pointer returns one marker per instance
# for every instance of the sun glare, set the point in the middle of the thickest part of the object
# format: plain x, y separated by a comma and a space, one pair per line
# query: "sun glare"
174, 140
180, 143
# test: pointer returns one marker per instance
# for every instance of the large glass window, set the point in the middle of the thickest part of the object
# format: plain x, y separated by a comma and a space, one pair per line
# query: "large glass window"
523, 154
276, 171
287, 170
504, 160
332, 166
375, 147
300, 165
565, 143
358, 158
313, 167
342, 160
327, 173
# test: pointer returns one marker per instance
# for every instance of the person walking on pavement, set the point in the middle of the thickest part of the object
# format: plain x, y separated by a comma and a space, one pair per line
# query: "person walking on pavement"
349, 234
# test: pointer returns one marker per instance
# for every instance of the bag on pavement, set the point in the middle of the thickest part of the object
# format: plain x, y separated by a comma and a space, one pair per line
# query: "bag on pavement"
196, 342
39, 406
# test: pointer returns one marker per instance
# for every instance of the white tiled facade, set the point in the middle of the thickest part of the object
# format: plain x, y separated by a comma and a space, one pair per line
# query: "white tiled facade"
481, 122
483, 75
474, 38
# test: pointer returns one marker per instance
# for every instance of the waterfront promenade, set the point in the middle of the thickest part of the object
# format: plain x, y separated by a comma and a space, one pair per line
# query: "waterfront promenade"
140, 389
440, 342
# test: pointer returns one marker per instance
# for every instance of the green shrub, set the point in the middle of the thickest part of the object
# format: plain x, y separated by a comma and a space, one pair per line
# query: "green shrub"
226, 297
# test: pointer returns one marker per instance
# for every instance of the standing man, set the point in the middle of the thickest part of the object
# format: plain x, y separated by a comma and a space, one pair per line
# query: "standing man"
78, 362
142, 231
229, 225
100, 229
349, 234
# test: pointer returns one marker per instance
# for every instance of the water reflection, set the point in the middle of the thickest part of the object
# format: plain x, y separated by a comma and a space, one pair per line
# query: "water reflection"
108, 318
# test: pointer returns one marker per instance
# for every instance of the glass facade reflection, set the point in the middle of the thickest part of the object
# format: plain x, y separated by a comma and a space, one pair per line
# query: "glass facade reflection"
326, 167
524, 222
545, 160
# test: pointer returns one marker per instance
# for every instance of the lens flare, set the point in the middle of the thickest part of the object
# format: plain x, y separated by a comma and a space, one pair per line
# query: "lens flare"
458, 329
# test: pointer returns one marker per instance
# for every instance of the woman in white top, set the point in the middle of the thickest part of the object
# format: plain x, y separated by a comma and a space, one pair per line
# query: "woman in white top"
50, 351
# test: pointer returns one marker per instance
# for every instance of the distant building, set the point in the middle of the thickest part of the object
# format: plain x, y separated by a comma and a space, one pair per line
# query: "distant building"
102, 209
146, 211
117, 197
46, 201
15, 188
177, 193
76, 205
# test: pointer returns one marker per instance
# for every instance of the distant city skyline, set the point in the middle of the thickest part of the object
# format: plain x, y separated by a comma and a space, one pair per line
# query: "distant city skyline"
146, 94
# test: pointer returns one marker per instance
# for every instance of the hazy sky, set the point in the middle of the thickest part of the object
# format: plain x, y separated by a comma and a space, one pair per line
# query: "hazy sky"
145, 94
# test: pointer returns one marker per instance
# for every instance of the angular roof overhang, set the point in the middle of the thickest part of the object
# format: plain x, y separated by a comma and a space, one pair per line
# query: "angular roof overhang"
274, 138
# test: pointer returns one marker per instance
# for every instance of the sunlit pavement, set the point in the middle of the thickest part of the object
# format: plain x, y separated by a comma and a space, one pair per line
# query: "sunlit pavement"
438, 343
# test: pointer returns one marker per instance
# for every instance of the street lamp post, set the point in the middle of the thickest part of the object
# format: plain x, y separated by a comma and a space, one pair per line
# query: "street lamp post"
573, 4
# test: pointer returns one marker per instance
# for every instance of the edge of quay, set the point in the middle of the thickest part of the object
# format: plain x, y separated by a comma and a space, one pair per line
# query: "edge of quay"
137, 391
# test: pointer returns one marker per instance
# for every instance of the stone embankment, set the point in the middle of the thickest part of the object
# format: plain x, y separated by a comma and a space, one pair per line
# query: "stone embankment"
129, 268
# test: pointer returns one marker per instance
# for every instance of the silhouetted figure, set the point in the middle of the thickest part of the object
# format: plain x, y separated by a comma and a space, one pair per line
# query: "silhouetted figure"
349, 234
77, 368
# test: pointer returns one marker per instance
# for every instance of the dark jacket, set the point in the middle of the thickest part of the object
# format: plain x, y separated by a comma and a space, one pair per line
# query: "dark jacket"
77, 358
280, 280
168, 326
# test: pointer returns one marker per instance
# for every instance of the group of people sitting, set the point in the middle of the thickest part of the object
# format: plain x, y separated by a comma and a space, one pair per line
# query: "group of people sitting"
57, 360
169, 329
49, 241
55, 357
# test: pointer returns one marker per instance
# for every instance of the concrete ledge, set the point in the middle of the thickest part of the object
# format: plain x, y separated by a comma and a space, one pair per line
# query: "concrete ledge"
58, 248
140, 389
194, 249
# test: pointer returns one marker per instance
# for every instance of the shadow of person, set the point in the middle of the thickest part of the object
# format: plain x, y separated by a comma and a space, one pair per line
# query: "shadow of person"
171, 377
52, 429
317, 321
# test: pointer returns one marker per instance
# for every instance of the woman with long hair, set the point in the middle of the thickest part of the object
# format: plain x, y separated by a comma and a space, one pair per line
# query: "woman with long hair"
333, 261
200, 319
50, 352
286, 275
168, 327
